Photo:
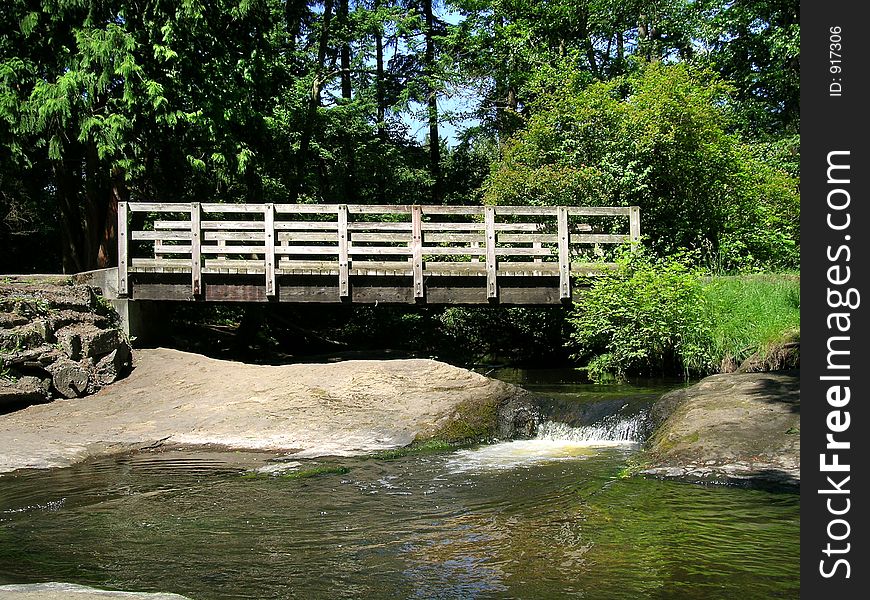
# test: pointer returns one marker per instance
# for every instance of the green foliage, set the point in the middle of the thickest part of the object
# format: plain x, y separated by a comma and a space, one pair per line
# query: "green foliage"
649, 318
657, 139
756, 45
752, 314
660, 317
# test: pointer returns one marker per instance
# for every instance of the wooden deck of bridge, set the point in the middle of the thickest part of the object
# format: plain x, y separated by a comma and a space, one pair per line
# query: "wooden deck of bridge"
364, 253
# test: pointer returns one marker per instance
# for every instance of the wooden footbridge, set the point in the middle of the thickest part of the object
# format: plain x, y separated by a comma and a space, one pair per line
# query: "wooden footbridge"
364, 253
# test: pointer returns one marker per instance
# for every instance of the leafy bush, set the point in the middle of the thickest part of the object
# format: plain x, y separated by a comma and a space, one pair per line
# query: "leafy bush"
648, 318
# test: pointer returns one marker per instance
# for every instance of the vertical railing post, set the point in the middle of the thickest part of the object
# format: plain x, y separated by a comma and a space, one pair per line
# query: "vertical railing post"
123, 286
195, 249
343, 261
269, 239
634, 225
489, 226
417, 249
564, 257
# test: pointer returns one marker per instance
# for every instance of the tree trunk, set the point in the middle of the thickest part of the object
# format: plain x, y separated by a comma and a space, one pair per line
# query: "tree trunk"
432, 101
66, 188
346, 90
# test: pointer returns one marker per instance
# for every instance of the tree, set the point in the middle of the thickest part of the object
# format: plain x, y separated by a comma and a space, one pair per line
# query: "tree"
657, 139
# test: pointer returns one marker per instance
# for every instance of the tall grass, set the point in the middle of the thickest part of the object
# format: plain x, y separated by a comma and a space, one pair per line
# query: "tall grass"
752, 313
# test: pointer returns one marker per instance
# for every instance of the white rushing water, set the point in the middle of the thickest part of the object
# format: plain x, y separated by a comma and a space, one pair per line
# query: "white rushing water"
554, 442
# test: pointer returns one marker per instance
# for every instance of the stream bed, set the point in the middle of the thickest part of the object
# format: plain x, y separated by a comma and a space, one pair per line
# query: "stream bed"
544, 518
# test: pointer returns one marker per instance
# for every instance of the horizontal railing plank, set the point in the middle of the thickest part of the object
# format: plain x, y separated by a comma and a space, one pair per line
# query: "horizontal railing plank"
159, 207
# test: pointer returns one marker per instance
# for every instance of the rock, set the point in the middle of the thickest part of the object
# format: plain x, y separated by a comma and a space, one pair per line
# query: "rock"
51, 327
68, 591
12, 319
737, 427
70, 342
23, 391
69, 378
97, 342
111, 366
339, 409
32, 334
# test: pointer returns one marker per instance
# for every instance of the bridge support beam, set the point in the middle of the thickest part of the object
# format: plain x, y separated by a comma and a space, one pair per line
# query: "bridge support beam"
140, 319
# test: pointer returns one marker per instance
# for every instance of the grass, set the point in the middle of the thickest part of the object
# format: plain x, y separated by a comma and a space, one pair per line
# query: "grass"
302, 473
753, 313
428, 447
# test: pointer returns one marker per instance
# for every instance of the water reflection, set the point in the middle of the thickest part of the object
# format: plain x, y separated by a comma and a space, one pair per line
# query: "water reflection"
536, 519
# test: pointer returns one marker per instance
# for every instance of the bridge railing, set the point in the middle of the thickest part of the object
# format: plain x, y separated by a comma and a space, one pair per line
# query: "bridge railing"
345, 240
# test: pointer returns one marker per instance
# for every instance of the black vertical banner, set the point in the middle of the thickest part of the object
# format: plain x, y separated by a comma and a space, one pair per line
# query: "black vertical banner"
835, 300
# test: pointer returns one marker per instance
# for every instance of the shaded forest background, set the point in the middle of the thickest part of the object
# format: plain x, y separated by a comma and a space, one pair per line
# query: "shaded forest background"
687, 108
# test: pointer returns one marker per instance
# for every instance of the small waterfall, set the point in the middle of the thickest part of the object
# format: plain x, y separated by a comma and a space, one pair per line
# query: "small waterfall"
613, 429
556, 442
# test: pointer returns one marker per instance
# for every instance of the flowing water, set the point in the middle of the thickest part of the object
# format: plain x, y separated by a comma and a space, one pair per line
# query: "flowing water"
543, 518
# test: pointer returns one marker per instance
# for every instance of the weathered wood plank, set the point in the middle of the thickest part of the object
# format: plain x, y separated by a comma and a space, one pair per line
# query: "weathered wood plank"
269, 224
182, 225
284, 263
307, 250
598, 211
228, 249
343, 258
464, 238
523, 252
599, 238
548, 211
378, 226
306, 209
528, 238
123, 275
170, 249
216, 207
160, 262
564, 256
305, 236
453, 251
491, 265
379, 250
178, 207
389, 238
452, 210
379, 209
161, 236
513, 268
195, 248
233, 236
634, 227
306, 226
417, 249
231, 225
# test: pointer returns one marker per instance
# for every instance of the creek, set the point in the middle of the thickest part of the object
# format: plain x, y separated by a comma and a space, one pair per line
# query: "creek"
543, 518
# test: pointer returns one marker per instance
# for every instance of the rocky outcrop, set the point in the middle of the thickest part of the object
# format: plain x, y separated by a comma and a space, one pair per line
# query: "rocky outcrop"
71, 591
734, 428
174, 398
57, 340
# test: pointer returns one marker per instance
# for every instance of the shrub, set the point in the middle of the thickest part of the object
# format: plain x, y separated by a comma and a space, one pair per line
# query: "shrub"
648, 318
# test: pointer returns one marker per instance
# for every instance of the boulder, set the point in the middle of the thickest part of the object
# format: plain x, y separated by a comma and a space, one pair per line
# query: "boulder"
735, 427
347, 408
112, 366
